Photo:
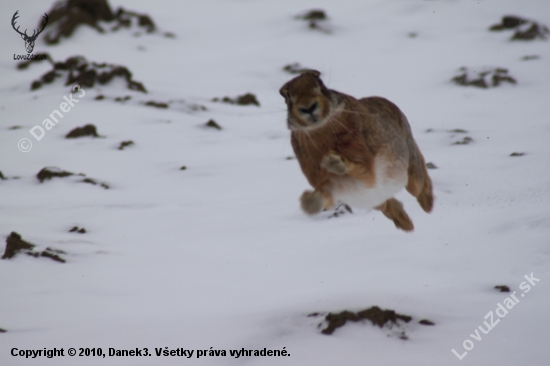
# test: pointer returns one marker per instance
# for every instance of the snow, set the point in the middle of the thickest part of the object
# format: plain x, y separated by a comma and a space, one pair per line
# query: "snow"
220, 255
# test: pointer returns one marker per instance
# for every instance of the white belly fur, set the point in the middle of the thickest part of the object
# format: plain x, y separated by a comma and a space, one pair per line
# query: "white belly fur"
390, 180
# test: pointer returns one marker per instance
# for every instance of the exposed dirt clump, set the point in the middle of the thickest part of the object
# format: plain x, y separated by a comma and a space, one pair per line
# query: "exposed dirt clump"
465, 141
245, 99
2, 176
316, 19
2, 330
426, 322
183, 168
52, 172
15, 244
295, 68
123, 99
376, 315
77, 70
125, 144
77, 230
431, 165
152, 103
517, 154
66, 16
525, 30
87, 130
502, 288
213, 124
94, 182
483, 79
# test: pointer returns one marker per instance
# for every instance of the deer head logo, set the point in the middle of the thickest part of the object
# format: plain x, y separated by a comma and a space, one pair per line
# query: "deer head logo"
29, 40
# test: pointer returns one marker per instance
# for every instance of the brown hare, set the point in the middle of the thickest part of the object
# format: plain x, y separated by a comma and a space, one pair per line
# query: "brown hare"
359, 152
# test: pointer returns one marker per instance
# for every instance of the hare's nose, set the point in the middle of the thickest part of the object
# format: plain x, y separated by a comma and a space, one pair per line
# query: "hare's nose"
309, 110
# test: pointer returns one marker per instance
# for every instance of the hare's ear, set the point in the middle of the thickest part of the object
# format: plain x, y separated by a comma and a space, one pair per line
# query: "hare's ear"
314, 72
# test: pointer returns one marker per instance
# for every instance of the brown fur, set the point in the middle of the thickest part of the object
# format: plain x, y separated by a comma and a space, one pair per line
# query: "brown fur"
337, 138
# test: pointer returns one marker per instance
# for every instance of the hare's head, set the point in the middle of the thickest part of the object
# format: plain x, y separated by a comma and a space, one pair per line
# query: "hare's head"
310, 104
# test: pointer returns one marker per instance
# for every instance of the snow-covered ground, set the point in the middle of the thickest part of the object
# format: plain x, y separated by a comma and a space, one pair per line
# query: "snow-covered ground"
219, 254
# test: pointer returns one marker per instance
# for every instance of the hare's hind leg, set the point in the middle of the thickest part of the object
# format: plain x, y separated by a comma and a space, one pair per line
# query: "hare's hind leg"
393, 210
419, 183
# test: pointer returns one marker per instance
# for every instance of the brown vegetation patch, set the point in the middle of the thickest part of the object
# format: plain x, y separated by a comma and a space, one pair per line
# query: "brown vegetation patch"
87, 130
483, 79
66, 16
374, 314
525, 30
86, 74
15, 244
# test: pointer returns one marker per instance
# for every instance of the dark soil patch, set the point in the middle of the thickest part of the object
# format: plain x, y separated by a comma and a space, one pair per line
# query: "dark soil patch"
465, 141
376, 315
458, 130
123, 99
517, 154
66, 16
502, 288
213, 124
156, 104
87, 130
53, 254
77, 230
316, 19
77, 70
2, 330
15, 128
100, 97
245, 99
94, 182
525, 30
431, 165
426, 322
530, 57
53, 172
125, 144
2, 176
183, 168
295, 68
49, 173
15, 244
483, 79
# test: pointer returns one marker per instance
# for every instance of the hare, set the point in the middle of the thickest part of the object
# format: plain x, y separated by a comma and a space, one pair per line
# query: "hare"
359, 152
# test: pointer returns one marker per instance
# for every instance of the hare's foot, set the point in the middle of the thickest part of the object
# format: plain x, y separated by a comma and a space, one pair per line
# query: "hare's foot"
314, 202
334, 164
393, 210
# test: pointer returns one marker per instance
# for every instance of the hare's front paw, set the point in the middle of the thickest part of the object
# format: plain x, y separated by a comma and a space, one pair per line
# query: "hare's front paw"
311, 202
334, 164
